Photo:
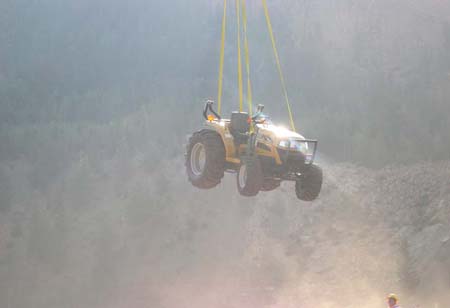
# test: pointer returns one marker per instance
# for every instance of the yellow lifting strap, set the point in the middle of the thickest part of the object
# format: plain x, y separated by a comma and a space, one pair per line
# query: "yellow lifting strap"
238, 14
222, 54
277, 60
247, 59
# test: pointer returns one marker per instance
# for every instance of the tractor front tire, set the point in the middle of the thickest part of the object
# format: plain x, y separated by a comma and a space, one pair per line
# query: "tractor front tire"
309, 184
249, 176
205, 159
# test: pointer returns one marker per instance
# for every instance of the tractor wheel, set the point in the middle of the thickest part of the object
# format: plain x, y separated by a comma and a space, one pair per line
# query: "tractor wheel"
249, 176
270, 184
205, 159
307, 187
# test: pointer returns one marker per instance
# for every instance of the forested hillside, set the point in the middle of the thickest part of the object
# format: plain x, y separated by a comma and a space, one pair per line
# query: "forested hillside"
97, 98
369, 80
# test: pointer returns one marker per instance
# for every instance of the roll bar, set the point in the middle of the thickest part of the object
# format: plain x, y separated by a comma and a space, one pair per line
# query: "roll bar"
208, 108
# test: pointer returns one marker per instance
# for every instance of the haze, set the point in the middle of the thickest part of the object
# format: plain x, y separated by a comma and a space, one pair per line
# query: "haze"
97, 98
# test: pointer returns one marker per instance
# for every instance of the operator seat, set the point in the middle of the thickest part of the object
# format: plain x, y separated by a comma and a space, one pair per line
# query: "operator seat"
239, 127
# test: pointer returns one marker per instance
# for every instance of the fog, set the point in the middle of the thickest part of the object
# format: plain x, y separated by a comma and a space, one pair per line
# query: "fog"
98, 97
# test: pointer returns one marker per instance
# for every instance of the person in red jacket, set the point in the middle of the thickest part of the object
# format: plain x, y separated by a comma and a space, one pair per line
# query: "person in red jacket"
392, 301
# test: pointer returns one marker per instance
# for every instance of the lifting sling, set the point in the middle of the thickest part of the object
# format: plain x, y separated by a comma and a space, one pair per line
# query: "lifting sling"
241, 11
222, 54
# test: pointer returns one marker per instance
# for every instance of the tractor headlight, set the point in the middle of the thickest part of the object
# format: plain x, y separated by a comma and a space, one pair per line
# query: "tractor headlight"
294, 145
284, 143
300, 146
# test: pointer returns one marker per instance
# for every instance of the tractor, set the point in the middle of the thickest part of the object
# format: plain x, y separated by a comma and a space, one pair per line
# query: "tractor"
260, 153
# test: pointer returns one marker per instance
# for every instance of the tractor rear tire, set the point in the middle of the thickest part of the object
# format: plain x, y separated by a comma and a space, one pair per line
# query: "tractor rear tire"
308, 186
270, 184
205, 159
249, 176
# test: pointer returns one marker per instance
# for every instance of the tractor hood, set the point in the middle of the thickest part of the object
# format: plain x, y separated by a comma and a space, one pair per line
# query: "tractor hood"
278, 132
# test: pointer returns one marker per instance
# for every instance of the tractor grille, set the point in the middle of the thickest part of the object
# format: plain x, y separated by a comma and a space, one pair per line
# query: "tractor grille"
293, 159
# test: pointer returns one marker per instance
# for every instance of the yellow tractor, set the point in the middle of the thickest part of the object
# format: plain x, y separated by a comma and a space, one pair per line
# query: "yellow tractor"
260, 153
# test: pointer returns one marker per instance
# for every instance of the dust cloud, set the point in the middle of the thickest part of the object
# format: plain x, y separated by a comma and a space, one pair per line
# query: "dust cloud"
134, 244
